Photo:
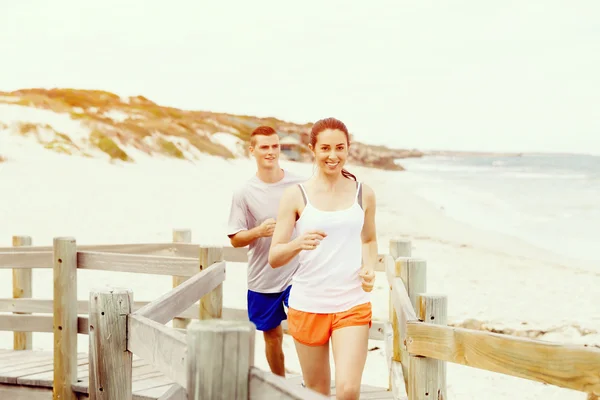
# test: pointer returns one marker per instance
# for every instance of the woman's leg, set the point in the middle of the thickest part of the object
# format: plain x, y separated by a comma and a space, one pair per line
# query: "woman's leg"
314, 362
350, 345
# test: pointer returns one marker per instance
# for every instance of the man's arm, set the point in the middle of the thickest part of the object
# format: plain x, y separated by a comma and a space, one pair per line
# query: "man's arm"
245, 237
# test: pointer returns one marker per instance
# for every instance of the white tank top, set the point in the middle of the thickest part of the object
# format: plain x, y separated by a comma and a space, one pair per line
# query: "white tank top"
327, 279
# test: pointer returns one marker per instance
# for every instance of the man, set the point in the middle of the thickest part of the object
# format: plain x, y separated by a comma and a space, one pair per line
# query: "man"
252, 216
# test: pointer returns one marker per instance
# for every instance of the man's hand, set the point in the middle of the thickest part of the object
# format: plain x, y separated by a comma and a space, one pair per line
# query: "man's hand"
267, 228
367, 276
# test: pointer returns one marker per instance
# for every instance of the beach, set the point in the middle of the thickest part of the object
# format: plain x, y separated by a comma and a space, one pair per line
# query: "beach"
492, 279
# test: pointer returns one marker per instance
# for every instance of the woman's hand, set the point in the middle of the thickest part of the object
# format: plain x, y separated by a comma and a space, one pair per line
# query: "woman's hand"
310, 240
367, 276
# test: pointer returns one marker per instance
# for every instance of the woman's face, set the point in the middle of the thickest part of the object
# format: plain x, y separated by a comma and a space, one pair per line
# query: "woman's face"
331, 151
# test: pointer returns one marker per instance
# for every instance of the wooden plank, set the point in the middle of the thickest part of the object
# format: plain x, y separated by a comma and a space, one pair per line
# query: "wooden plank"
181, 236
65, 317
145, 264
110, 362
235, 254
404, 309
159, 345
175, 393
26, 259
22, 281
39, 374
211, 304
46, 306
433, 309
131, 248
398, 387
220, 354
567, 366
183, 296
267, 386
15, 392
26, 323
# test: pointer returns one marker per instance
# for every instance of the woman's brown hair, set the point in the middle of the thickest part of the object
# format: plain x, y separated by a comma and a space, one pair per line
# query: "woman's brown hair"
333, 124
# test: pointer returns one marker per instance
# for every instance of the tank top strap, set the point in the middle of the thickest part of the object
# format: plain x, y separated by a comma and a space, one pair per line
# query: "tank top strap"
304, 195
359, 193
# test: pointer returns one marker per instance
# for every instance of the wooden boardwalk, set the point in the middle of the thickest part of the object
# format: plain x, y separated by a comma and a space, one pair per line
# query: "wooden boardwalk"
32, 370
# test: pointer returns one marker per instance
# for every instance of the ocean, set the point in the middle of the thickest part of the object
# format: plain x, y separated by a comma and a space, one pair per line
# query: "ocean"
549, 201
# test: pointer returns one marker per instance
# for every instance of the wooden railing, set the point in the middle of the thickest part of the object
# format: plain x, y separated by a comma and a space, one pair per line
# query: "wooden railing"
118, 327
419, 342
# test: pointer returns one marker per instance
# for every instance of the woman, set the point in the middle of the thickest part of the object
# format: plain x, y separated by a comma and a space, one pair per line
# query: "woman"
337, 250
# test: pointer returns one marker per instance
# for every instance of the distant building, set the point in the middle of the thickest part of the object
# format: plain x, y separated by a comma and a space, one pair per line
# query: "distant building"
291, 146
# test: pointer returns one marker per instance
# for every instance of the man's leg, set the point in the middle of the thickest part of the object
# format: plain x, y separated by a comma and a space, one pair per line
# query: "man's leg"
274, 350
266, 311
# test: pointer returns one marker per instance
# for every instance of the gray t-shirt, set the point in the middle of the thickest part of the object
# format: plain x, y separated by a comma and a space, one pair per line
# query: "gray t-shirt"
252, 204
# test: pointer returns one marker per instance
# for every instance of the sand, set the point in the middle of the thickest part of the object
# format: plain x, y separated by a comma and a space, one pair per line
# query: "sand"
488, 277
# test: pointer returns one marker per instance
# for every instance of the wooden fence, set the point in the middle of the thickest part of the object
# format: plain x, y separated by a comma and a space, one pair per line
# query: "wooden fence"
419, 342
214, 356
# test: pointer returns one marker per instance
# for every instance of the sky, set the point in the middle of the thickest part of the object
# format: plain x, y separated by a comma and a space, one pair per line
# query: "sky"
460, 75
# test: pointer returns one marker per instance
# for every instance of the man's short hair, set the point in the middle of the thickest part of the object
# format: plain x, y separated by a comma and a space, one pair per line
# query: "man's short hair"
261, 130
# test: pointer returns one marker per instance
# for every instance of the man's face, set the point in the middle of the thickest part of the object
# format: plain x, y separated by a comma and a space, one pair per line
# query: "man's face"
266, 151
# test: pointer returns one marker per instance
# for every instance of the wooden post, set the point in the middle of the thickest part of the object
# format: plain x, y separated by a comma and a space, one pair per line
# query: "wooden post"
110, 364
65, 318
398, 248
219, 357
22, 289
413, 272
423, 378
181, 236
211, 305
433, 309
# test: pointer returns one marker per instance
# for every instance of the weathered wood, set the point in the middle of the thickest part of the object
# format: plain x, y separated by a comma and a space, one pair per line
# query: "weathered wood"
211, 304
235, 254
427, 376
219, 359
397, 248
399, 389
413, 274
22, 289
175, 393
423, 378
110, 363
144, 264
181, 236
231, 254
30, 323
267, 386
567, 366
26, 259
45, 306
400, 248
433, 309
163, 347
167, 306
129, 248
65, 317
17, 392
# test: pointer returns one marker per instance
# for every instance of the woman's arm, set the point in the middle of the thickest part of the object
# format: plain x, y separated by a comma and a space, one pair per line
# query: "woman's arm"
282, 249
369, 238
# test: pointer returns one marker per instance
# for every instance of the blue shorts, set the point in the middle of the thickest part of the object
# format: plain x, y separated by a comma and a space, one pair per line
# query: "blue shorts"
265, 310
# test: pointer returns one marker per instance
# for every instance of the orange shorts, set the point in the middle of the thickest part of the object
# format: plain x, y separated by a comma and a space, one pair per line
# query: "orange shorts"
314, 329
